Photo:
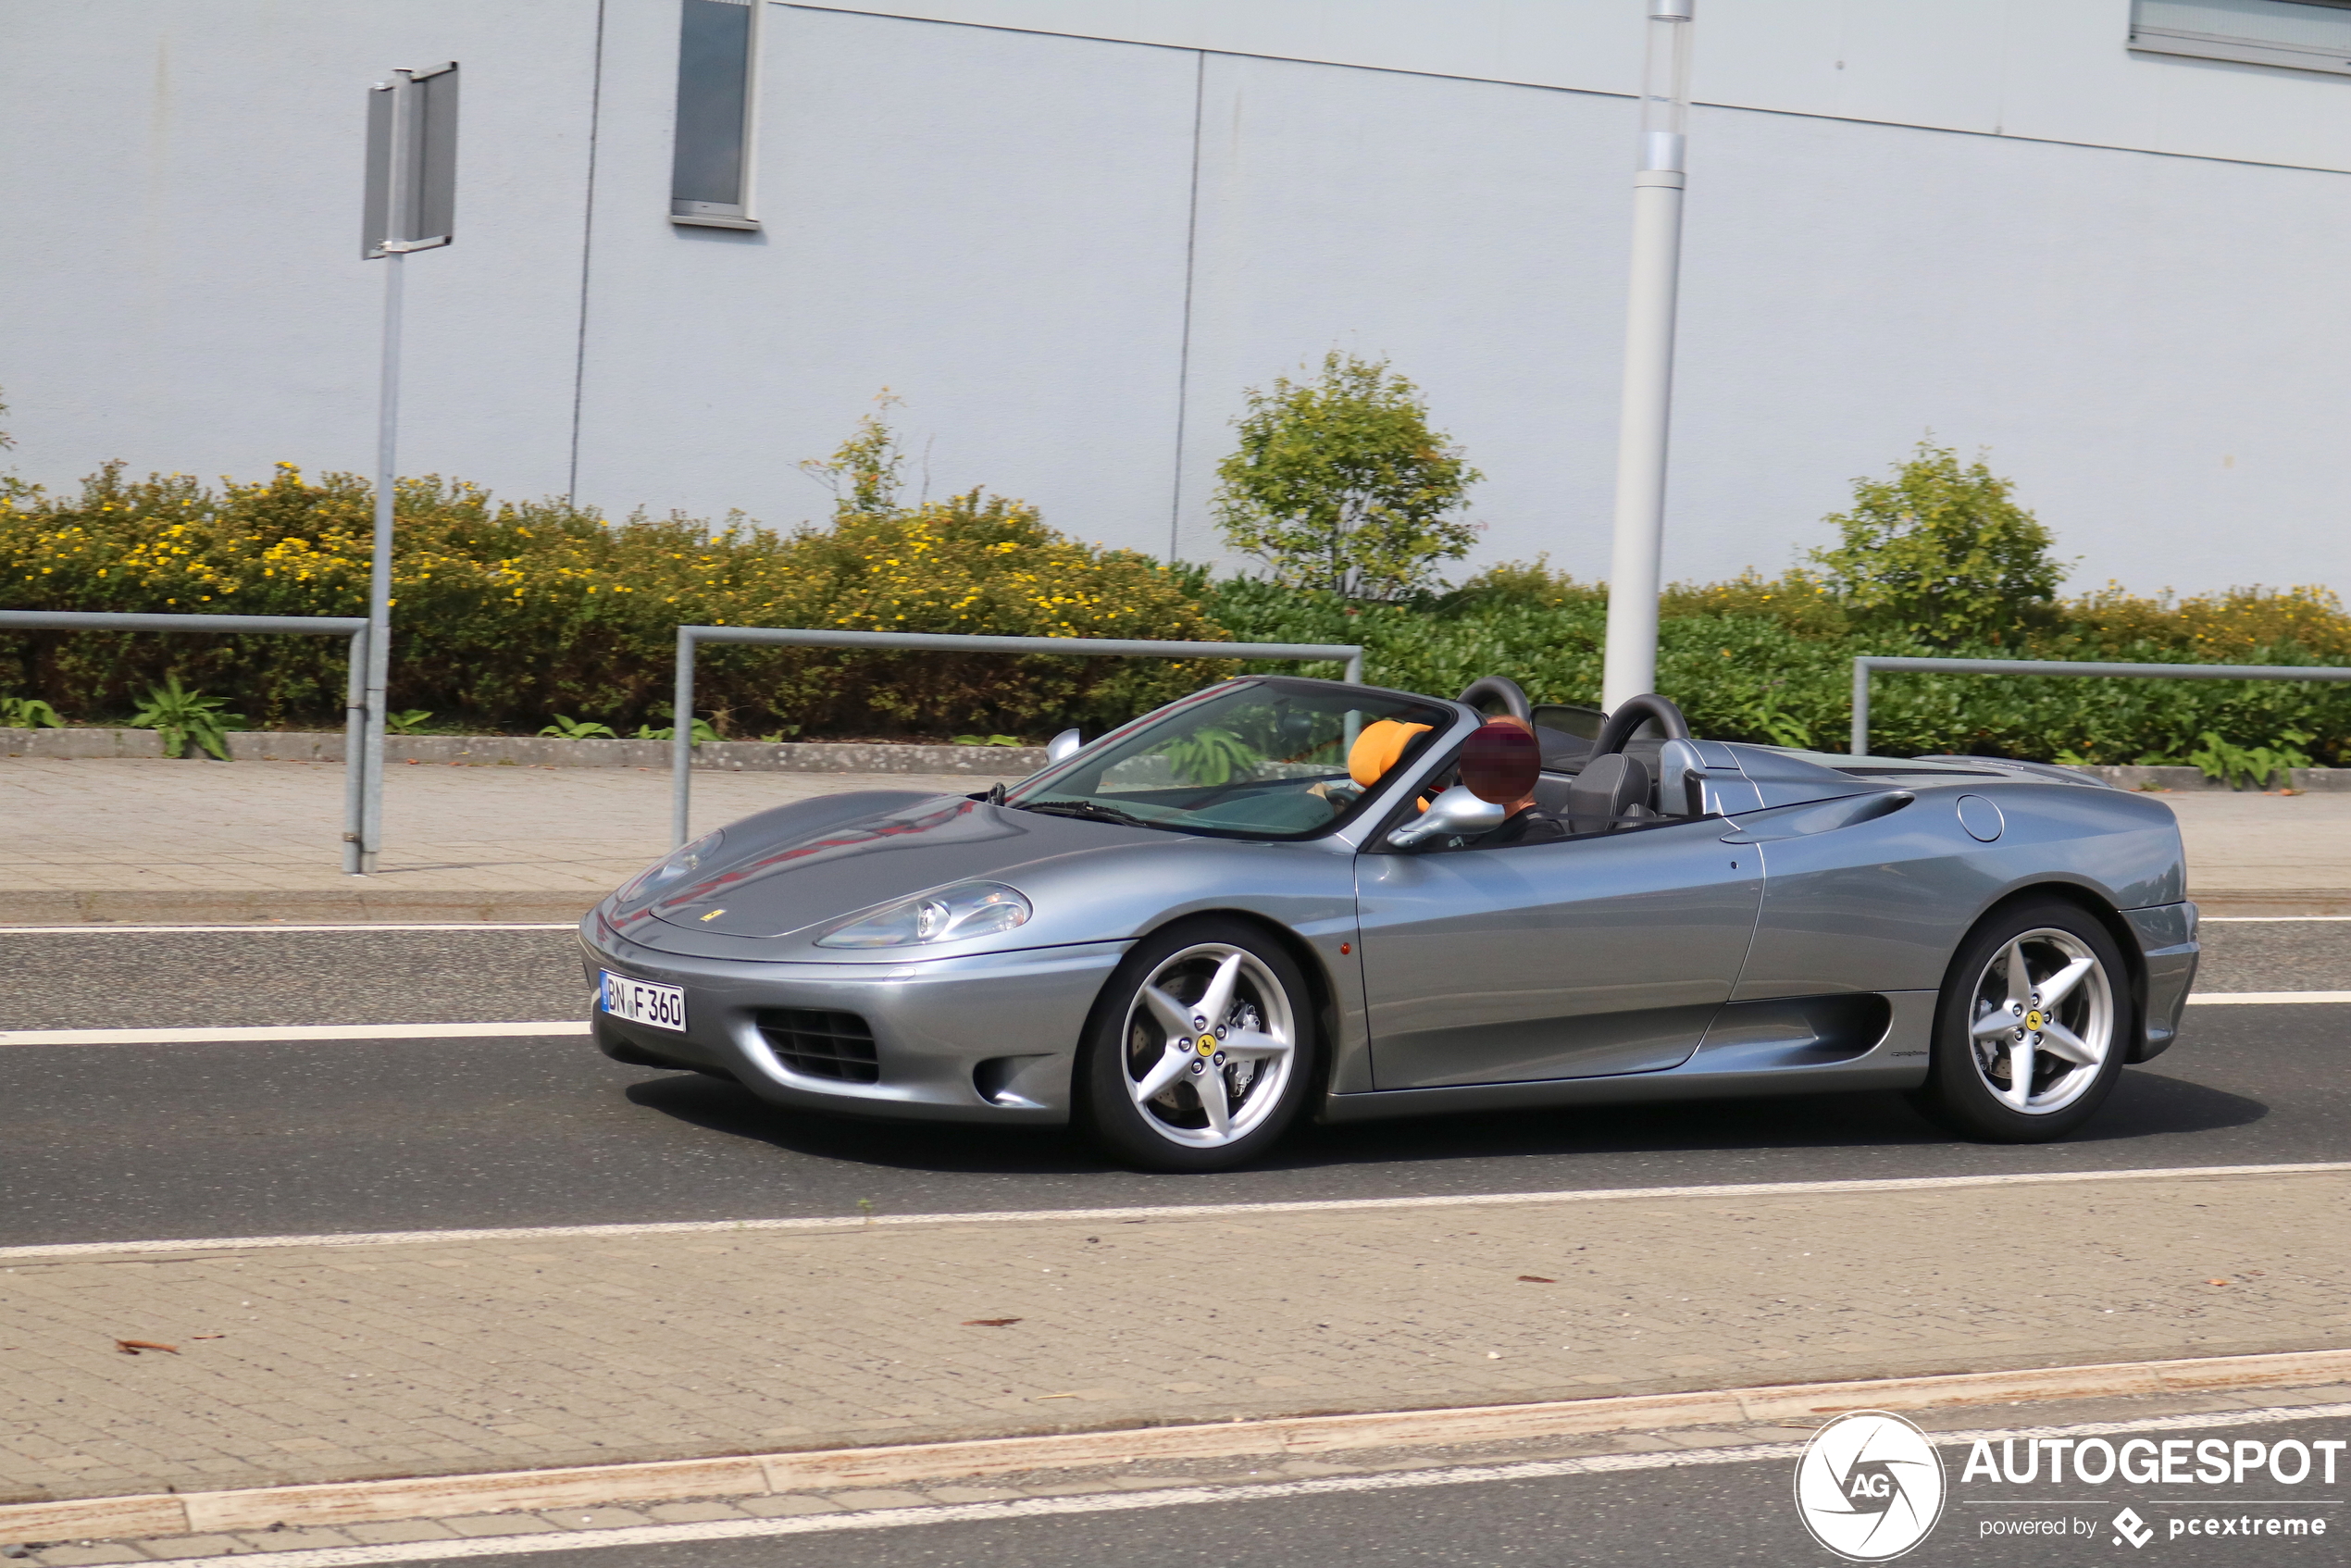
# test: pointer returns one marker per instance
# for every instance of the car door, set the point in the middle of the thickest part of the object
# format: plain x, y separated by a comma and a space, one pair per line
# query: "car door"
1568, 959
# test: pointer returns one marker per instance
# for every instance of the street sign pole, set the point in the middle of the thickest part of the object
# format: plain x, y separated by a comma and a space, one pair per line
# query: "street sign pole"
412, 150
1635, 569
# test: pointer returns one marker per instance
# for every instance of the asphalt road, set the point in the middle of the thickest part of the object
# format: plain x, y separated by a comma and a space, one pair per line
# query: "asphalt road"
121, 1142
1698, 1516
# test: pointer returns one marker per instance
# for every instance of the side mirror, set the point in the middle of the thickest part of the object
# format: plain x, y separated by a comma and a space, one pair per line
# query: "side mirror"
1455, 811
1066, 744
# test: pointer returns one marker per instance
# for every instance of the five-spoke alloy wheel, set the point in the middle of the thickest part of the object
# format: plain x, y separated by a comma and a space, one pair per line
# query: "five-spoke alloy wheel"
2034, 1022
1201, 1050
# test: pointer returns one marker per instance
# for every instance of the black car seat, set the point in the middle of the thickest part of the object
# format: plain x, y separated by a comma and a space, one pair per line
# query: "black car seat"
1610, 789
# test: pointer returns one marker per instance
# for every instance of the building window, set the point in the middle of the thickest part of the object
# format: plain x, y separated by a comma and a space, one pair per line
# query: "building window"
2304, 35
710, 175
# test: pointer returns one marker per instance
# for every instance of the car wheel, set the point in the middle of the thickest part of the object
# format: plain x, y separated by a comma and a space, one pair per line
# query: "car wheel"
2034, 1020
1201, 1050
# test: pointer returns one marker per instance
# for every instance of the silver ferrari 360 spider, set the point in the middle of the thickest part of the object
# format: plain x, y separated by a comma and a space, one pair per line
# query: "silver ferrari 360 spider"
1281, 896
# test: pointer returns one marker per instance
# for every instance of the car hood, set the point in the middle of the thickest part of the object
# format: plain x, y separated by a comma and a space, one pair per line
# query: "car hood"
788, 870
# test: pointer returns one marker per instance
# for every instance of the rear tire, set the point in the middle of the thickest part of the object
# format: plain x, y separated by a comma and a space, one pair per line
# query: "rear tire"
1151, 1097
2036, 1018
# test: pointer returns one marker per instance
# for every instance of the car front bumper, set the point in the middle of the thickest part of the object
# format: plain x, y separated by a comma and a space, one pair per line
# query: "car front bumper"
979, 1037
2168, 955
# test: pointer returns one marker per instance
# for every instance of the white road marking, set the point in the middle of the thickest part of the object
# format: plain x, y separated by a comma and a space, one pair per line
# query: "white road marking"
2269, 998
358, 925
261, 1033
291, 1032
1184, 1496
2268, 919
1172, 1212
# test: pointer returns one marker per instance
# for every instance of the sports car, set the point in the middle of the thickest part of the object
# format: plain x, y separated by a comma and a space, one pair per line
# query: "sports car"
1282, 897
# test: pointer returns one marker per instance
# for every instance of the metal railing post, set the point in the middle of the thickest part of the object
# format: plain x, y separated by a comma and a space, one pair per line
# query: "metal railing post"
681, 738
355, 745
1861, 668
352, 626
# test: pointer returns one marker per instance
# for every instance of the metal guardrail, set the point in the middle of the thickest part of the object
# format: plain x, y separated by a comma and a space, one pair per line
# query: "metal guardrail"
682, 712
1864, 667
354, 812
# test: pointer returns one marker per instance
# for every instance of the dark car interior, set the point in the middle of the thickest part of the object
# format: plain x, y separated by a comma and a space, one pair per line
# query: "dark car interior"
1598, 773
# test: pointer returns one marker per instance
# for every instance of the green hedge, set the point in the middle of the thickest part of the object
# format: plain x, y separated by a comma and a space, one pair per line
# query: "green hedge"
505, 613
1772, 661
508, 613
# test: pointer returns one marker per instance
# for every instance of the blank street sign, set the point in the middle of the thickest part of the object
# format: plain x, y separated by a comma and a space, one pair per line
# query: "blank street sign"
428, 152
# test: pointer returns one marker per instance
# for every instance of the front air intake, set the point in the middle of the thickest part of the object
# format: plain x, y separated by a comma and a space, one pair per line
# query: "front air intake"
821, 1045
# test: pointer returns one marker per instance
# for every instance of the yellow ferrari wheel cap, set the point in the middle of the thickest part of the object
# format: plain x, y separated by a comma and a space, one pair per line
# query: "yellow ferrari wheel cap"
1205, 1045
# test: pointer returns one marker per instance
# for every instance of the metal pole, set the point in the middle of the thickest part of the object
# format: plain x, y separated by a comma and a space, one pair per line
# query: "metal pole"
1634, 570
1355, 668
371, 805
355, 743
1860, 707
681, 739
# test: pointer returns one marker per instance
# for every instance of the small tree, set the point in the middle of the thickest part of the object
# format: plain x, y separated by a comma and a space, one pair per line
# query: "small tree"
1942, 551
863, 471
1339, 484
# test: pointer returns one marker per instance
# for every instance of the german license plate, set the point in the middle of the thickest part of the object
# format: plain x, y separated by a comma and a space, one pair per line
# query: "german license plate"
642, 1002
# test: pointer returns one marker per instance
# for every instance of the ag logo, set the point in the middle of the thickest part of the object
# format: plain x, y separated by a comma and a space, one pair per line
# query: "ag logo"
1869, 1487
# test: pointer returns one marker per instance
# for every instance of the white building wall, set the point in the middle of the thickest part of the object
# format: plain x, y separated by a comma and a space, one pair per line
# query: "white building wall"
1990, 220
990, 224
181, 284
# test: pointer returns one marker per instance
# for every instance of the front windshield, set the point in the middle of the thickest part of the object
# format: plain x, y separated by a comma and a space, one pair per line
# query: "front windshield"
1267, 757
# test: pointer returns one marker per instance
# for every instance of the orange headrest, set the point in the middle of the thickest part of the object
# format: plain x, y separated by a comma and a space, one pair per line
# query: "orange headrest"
1378, 748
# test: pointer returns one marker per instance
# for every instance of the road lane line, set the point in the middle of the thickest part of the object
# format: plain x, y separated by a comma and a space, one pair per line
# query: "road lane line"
1192, 1496
2269, 999
2270, 919
1205, 1210
292, 1032
356, 925
263, 1033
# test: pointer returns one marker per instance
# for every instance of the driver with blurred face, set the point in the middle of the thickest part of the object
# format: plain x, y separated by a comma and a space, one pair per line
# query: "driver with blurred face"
1500, 762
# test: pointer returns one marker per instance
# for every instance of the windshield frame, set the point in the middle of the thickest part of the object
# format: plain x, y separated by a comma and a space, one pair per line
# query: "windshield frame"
1445, 719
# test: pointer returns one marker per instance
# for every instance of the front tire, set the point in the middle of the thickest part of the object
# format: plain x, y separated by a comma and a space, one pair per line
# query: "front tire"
2036, 1018
1201, 1050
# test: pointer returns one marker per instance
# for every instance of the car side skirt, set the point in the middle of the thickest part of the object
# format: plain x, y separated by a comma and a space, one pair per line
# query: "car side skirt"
1784, 1046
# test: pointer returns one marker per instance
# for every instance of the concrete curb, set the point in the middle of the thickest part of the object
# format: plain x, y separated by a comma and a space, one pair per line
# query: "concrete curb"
740, 1476
37, 906
537, 750
2325, 781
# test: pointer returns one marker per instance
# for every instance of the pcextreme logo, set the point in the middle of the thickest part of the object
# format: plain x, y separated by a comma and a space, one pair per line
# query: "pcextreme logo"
1869, 1485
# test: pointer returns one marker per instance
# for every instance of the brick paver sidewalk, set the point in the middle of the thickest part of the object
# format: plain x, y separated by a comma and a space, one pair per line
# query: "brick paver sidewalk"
142, 840
139, 840
311, 1364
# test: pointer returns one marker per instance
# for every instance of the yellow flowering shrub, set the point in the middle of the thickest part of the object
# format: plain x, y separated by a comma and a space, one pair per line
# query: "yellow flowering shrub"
506, 611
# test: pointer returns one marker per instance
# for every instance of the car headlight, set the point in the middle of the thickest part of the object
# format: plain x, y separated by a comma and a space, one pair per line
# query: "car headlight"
684, 862
968, 909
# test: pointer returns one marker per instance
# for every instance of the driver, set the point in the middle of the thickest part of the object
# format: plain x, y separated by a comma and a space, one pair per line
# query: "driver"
1500, 762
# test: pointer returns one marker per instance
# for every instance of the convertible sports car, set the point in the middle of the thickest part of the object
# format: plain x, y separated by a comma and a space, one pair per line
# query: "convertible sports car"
1281, 895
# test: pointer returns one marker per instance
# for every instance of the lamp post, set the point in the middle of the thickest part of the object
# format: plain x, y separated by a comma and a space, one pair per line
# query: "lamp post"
1630, 667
